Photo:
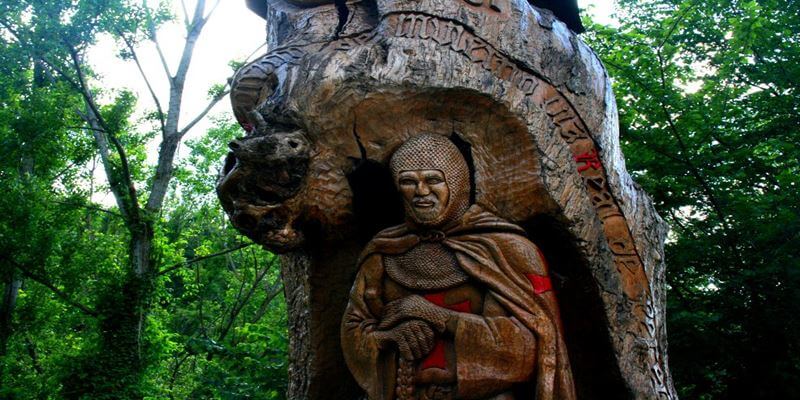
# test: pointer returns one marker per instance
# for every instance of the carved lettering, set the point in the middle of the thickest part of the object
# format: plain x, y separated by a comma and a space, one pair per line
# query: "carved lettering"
590, 160
528, 84
490, 4
480, 52
503, 68
601, 198
629, 263
430, 27
405, 25
571, 130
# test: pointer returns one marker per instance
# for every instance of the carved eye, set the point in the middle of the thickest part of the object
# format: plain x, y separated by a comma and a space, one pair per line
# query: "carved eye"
407, 182
433, 180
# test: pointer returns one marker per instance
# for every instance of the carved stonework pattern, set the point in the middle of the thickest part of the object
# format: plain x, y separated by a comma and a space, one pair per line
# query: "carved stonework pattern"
529, 107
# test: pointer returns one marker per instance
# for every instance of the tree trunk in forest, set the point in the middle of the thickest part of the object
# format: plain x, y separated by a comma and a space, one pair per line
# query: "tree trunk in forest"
11, 287
123, 309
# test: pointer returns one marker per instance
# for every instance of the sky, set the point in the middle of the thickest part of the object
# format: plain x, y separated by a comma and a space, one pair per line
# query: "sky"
232, 33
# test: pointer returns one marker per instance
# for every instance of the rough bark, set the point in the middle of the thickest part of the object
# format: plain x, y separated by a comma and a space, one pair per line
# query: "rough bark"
532, 106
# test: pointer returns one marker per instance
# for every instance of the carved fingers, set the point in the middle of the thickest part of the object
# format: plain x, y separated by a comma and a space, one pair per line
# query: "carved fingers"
414, 339
414, 307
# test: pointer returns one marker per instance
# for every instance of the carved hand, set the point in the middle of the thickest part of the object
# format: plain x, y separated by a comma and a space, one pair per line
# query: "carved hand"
414, 339
415, 307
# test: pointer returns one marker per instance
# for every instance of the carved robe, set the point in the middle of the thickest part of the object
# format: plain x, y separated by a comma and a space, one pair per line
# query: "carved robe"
511, 342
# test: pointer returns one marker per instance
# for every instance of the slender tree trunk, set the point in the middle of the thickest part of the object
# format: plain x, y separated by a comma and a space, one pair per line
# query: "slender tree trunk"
10, 294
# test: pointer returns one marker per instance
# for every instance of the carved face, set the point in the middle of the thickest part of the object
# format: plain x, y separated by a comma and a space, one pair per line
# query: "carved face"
260, 185
425, 195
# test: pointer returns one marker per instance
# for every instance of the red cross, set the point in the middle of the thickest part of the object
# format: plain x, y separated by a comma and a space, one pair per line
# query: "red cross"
436, 358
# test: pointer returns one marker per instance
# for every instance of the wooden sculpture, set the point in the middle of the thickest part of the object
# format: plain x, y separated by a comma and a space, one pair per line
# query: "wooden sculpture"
343, 86
456, 302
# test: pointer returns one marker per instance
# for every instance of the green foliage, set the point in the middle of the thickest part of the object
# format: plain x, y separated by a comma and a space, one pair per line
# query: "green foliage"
708, 96
213, 319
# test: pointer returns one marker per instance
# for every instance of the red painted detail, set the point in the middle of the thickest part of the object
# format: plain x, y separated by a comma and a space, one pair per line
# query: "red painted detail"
541, 283
436, 298
465, 307
247, 127
590, 160
435, 358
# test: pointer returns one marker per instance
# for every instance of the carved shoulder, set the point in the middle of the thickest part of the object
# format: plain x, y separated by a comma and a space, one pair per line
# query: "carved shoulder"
521, 253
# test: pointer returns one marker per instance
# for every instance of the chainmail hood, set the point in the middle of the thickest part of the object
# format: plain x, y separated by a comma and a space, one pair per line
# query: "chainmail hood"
432, 151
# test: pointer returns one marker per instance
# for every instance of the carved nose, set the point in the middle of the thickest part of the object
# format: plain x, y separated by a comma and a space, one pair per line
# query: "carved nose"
423, 189
235, 145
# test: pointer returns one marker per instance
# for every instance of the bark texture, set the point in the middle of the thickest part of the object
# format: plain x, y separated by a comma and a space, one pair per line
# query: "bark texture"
531, 106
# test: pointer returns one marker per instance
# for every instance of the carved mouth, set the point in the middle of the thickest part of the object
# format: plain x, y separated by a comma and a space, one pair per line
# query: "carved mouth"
282, 241
424, 203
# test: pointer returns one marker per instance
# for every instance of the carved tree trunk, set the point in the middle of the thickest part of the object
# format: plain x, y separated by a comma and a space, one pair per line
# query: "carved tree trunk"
344, 85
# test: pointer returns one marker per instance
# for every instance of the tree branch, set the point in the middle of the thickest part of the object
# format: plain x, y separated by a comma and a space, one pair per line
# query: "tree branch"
39, 56
132, 209
58, 292
214, 7
274, 290
90, 207
185, 14
240, 302
151, 29
203, 258
166, 154
202, 114
135, 57
693, 170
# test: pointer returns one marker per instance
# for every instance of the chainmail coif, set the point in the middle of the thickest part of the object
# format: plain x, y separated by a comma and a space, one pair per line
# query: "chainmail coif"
432, 151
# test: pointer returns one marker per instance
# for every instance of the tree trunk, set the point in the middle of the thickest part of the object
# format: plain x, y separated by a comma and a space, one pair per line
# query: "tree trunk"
12, 285
533, 106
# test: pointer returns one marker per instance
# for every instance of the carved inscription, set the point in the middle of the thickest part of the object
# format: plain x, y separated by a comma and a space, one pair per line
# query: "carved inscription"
454, 36
569, 126
492, 5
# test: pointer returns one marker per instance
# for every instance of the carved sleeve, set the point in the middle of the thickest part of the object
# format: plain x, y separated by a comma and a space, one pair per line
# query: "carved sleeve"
359, 324
493, 352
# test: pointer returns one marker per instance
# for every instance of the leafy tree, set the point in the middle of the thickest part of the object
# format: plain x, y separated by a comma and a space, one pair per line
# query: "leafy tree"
708, 94
113, 303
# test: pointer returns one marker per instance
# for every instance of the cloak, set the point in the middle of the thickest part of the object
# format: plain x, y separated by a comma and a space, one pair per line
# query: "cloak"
495, 253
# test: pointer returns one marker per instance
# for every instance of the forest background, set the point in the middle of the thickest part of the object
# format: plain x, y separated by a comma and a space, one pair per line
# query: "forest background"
153, 295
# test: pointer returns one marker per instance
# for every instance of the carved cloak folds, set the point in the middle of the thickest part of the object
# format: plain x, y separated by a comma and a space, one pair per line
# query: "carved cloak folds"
494, 253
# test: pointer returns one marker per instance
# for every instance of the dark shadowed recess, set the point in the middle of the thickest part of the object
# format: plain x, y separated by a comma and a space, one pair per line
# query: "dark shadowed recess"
585, 326
376, 203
